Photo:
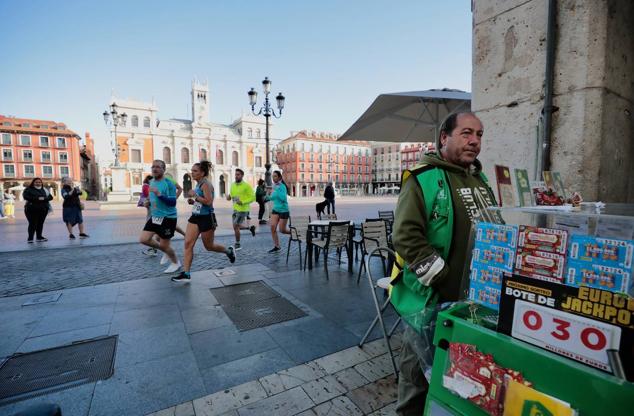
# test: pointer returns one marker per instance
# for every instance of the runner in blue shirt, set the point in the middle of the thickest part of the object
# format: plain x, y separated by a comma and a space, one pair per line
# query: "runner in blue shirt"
162, 221
203, 220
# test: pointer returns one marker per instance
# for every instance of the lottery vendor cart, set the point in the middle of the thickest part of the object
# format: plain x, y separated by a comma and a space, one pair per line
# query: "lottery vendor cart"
549, 325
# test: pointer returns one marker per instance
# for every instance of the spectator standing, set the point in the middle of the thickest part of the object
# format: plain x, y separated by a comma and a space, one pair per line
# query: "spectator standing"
241, 193
71, 208
36, 208
281, 213
329, 194
260, 195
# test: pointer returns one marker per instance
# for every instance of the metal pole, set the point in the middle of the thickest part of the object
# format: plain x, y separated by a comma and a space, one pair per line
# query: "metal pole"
551, 33
267, 165
116, 145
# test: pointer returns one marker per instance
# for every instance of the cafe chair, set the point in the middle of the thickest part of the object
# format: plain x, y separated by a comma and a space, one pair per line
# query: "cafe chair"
373, 235
388, 216
382, 283
299, 232
336, 237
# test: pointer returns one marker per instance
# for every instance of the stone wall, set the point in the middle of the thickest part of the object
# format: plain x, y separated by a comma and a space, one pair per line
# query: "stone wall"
593, 129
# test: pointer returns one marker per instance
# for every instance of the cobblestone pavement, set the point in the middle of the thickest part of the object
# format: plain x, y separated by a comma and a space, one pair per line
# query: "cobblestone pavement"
55, 269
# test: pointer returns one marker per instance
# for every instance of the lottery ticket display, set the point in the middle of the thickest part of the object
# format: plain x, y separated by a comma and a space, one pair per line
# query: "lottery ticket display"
492, 257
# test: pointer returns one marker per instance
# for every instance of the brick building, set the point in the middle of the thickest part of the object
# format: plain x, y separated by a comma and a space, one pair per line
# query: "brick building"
37, 148
310, 160
389, 160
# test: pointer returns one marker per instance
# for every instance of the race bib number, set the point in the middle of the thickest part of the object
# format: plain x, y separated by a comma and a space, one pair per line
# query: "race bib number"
157, 220
197, 207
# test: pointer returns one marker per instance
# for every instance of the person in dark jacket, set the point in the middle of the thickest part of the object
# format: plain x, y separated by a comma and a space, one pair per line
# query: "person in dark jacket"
329, 194
71, 213
36, 208
260, 194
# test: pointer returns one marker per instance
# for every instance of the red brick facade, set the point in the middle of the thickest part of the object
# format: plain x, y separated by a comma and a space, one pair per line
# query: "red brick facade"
37, 148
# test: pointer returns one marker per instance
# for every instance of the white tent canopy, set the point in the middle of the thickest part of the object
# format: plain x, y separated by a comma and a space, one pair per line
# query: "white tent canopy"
407, 116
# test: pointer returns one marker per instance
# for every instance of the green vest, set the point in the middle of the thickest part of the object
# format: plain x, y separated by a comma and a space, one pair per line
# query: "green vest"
439, 214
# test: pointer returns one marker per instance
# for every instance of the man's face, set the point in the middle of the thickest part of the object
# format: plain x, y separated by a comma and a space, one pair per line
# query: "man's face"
239, 176
462, 146
157, 170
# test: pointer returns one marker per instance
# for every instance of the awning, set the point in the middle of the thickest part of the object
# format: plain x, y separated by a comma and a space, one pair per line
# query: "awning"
407, 116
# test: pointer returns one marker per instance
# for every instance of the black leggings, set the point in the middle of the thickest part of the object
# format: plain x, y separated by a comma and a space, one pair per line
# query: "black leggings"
262, 209
36, 217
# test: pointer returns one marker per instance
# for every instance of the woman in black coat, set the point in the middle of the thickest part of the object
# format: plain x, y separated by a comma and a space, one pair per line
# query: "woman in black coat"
36, 208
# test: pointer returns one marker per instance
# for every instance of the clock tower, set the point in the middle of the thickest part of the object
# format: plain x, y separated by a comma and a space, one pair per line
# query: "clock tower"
200, 102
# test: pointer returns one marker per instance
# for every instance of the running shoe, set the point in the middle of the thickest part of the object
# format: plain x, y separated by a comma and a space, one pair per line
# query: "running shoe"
231, 253
183, 277
274, 250
30, 241
236, 246
164, 259
41, 239
150, 252
252, 229
83, 235
71, 236
173, 267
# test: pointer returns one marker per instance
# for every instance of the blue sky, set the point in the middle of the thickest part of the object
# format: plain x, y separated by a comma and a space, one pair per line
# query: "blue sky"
330, 59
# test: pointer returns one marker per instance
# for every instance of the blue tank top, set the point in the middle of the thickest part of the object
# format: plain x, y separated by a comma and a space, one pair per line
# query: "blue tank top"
199, 208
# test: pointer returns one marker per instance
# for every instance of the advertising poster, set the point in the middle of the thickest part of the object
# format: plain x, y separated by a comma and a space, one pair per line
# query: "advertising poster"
523, 188
505, 186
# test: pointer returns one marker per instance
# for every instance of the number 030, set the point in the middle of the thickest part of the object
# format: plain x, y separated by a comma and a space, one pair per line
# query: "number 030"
592, 338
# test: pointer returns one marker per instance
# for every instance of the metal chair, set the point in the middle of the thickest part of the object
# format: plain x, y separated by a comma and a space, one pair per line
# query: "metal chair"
336, 237
388, 216
381, 283
373, 235
299, 231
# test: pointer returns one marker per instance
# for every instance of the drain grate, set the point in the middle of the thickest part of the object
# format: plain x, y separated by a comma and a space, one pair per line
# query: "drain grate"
243, 293
255, 305
24, 376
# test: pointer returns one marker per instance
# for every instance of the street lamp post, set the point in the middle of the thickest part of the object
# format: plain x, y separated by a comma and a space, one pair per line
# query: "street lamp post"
267, 111
115, 119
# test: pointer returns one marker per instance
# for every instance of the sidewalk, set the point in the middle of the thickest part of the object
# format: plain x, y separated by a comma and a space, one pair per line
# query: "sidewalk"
176, 346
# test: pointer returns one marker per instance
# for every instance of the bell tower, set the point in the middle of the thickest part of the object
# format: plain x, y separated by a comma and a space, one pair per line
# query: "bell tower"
200, 101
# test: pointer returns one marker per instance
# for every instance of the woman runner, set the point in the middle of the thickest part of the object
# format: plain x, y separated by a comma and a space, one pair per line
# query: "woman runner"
202, 221
280, 213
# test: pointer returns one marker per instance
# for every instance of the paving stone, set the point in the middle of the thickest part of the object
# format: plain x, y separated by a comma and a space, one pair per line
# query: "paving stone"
343, 359
164, 412
245, 369
324, 389
63, 338
374, 396
350, 379
185, 409
308, 412
224, 401
389, 410
376, 368
292, 377
376, 347
339, 406
288, 403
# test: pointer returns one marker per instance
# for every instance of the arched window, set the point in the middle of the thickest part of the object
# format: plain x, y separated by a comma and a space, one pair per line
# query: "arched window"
258, 134
203, 154
249, 132
234, 158
146, 122
184, 155
167, 156
135, 121
220, 157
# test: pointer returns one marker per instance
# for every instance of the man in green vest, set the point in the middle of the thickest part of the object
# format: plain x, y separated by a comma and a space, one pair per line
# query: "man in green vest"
439, 200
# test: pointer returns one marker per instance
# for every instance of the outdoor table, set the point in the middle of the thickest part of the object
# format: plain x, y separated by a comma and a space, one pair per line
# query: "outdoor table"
321, 225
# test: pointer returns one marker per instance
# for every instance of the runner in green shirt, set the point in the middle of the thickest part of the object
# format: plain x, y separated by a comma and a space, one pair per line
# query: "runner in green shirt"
242, 195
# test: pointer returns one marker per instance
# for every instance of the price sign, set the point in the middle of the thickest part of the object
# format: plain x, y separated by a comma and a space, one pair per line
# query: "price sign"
573, 336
